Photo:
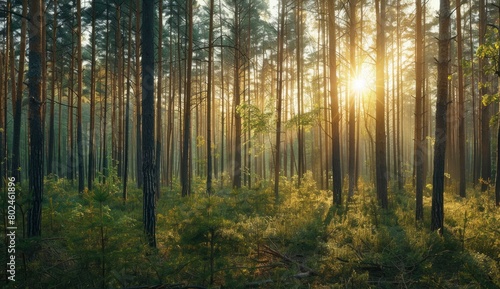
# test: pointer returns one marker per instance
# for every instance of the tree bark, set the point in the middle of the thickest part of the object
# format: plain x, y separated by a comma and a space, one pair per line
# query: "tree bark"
485, 112
91, 166
279, 98
300, 91
461, 109
50, 148
138, 117
148, 118
17, 100
79, 131
185, 164
105, 120
336, 157
419, 153
237, 99
209, 98
35, 119
159, 100
437, 216
380, 137
352, 110
127, 109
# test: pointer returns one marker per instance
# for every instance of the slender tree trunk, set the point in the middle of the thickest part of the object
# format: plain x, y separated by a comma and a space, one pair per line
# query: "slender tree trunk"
79, 130
237, 99
148, 118
336, 157
159, 100
209, 98
35, 120
185, 167
91, 168
437, 216
50, 155
118, 105
380, 137
352, 110
461, 109
70, 171
170, 115
475, 151
419, 153
300, 96
279, 97
11, 58
127, 109
8, 70
485, 109
59, 129
17, 100
138, 117
105, 120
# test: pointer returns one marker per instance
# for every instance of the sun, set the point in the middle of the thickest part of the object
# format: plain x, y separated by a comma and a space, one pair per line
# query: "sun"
359, 84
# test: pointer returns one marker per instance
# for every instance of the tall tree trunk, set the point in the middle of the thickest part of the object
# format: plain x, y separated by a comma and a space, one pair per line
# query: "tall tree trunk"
237, 98
170, 115
91, 168
485, 111
399, 128
8, 70
419, 153
279, 98
437, 216
300, 91
475, 151
148, 118
461, 109
185, 167
380, 137
79, 130
336, 157
138, 117
70, 170
127, 109
118, 105
209, 99
18, 98
105, 120
159, 99
352, 110
50, 155
35, 120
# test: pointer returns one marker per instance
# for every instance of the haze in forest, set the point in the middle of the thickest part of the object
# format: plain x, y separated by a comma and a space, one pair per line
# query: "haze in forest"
250, 143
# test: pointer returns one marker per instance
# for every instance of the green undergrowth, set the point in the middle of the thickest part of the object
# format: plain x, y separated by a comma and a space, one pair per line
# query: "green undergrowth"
246, 239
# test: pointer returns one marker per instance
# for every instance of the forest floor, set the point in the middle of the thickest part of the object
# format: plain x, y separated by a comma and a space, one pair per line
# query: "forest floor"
245, 239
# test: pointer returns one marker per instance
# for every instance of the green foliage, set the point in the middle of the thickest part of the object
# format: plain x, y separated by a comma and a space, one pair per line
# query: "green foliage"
255, 120
306, 119
243, 238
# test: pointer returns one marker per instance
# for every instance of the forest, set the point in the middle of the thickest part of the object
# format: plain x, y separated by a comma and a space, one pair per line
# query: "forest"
177, 144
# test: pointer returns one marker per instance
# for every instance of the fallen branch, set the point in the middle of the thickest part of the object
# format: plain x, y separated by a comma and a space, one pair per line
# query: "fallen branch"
277, 254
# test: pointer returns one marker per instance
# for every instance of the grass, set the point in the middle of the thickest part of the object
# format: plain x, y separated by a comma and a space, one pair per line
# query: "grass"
243, 239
